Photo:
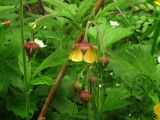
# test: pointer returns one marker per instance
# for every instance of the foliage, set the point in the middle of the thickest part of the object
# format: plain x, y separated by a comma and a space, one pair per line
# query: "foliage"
125, 88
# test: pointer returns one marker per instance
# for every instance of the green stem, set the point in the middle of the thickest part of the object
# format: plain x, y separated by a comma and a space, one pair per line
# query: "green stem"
100, 37
86, 30
76, 97
32, 35
90, 105
54, 16
89, 111
123, 15
99, 94
24, 59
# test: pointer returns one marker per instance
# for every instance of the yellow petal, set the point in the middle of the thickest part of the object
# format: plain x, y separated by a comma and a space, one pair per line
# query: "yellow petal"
76, 55
157, 2
157, 110
90, 56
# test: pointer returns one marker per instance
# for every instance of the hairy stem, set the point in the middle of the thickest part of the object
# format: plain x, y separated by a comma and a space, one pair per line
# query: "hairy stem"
24, 60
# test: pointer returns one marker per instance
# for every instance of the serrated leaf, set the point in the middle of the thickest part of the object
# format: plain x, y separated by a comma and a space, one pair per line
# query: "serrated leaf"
133, 62
115, 100
64, 8
85, 9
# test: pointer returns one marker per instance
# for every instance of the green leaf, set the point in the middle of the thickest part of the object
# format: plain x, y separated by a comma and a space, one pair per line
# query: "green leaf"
9, 74
154, 97
155, 36
8, 1
114, 5
32, 1
122, 4
6, 8
64, 9
17, 105
115, 99
85, 9
44, 80
9, 45
58, 57
133, 62
113, 35
110, 35
9, 71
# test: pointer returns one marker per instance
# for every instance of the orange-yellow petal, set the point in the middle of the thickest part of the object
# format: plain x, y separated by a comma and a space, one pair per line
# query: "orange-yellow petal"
90, 56
157, 2
76, 55
157, 110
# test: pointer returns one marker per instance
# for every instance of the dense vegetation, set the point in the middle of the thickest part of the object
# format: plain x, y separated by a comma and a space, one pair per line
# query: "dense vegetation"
111, 55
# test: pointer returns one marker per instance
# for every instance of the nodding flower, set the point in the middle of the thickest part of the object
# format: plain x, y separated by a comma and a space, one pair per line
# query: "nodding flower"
84, 51
30, 48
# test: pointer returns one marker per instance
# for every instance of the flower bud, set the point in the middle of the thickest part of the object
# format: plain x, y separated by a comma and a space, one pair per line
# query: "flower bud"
31, 47
92, 80
104, 61
33, 25
85, 96
76, 86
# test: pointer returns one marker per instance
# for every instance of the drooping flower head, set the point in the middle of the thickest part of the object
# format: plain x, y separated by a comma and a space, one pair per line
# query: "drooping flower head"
30, 48
157, 110
157, 2
84, 51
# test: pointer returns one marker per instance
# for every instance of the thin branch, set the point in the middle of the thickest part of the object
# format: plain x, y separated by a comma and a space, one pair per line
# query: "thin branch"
49, 99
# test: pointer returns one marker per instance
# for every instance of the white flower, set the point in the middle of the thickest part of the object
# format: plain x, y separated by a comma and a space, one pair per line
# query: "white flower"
100, 85
159, 60
40, 43
114, 23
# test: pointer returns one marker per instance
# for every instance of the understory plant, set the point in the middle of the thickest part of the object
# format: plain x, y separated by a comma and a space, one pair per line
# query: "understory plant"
113, 70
